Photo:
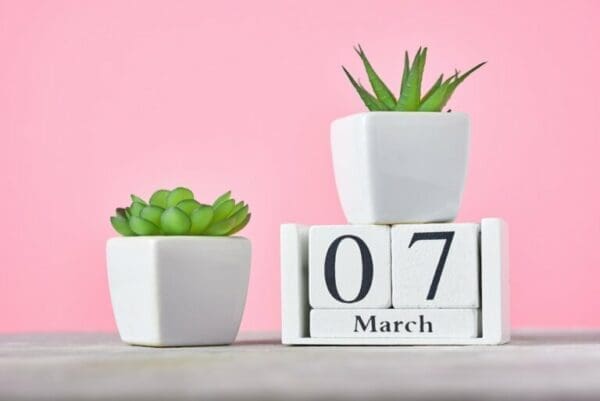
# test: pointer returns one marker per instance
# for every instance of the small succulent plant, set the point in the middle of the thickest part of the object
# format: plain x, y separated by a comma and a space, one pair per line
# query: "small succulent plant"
409, 98
176, 212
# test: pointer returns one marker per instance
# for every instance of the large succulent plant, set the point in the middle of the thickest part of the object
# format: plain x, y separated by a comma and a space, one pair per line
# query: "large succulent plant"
176, 212
409, 98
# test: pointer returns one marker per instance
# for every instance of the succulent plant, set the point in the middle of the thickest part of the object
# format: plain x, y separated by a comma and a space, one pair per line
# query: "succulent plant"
409, 98
176, 212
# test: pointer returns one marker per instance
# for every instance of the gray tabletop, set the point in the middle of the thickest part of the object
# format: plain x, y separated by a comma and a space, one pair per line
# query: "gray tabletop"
534, 366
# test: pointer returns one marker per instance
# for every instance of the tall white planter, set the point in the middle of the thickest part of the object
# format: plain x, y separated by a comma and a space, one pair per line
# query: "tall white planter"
175, 291
400, 167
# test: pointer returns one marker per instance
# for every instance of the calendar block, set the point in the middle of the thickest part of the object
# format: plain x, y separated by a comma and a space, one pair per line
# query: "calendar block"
349, 267
394, 323
305, 324
435, 266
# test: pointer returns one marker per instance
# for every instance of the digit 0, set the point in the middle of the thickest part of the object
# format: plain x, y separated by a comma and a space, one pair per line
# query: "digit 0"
367, 269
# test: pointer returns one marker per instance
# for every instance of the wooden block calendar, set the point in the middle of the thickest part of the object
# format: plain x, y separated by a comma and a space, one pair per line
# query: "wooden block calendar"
395, 285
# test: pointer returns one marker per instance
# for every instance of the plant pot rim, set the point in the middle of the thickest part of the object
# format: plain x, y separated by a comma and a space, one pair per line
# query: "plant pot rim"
191, 238
407, 114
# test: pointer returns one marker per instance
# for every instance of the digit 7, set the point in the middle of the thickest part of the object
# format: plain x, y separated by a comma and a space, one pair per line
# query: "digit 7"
447, 236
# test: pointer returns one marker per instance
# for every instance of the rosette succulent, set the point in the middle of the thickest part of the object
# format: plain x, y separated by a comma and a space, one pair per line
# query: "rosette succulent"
409, 97
176, 212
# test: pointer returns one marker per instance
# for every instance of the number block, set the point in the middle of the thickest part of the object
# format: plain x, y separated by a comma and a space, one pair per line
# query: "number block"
394, 323
435, 265
349, 267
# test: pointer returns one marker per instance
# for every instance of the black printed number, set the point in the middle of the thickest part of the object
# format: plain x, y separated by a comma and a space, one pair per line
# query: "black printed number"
367, 269
447, 236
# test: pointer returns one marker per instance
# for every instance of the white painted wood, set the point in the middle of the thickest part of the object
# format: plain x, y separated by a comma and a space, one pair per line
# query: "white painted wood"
495, 281
294, 282
348, 268
494, 297
394, 323
416, 253
178, 291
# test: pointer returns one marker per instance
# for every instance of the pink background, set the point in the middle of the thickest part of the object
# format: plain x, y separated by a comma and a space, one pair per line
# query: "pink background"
101, 99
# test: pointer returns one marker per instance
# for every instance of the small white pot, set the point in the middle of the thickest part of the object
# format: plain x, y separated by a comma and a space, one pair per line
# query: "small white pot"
400, 167
175, 291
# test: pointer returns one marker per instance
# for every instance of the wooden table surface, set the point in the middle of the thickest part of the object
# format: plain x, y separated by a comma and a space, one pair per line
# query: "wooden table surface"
536, 365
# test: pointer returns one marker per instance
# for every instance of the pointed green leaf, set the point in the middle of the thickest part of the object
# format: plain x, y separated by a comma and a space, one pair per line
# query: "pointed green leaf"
410, 97
188, 205
152, 214
372, 103
223, 209
433, 88
383, 93
159, 198
405, 73
222, 198
136, 208
121, 225
201, 219
236, 208
177, 195
121, 212
142, 227
222, 227
436, 100
137, 199
441, 96
241, 225
175, 222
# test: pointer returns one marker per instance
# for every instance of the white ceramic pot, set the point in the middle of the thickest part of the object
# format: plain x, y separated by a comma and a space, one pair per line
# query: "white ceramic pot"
400, 167
175, 291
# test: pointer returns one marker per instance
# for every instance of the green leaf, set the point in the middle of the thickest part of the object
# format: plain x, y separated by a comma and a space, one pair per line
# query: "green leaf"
223, 209
142, 227
136, 208
410, 97
241, 225
222, 198
372, 103
177, 195
201, 219
438, 98
383, 93
433, 88
236, 208
188, 205
152, 214
121, 225
223, 227
405, 73
159, 198
220, 227
121, 212
175, 222
137, 199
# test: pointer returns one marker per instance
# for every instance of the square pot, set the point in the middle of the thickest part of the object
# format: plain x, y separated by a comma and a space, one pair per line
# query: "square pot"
176, 291
400, 167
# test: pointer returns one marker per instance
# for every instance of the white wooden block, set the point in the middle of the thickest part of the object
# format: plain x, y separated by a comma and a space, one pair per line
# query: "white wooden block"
394, 323
349, 266
294, 282
435, 265
495, 288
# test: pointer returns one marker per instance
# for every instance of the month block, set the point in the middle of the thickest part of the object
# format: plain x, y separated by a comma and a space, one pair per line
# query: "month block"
349, 266
394, 323
435, 265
